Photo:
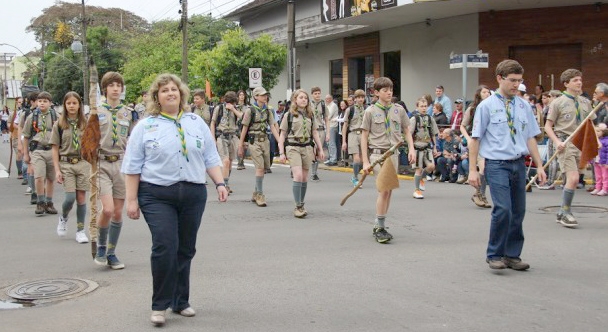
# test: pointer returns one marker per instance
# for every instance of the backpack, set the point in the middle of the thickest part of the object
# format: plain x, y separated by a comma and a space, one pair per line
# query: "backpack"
418, 123
35, 116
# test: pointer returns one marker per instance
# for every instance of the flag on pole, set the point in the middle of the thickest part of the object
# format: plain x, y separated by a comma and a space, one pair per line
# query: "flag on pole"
586, 141
387, 178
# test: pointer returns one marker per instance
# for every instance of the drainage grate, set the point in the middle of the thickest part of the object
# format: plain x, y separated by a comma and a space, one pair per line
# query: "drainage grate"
576, 209
50, 290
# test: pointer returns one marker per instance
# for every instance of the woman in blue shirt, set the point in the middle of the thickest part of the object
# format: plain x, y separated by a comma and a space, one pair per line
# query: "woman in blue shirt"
166, 161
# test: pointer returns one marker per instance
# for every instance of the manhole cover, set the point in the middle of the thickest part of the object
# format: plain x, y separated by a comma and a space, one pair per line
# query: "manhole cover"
576, 209
51, 289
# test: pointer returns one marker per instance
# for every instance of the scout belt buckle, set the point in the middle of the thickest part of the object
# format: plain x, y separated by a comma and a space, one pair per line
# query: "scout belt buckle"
73, 160
262, 138
111, 158
302, 140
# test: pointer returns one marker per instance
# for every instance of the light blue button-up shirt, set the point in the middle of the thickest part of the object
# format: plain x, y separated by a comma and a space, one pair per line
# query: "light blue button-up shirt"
154, 151
491, 128
446, 103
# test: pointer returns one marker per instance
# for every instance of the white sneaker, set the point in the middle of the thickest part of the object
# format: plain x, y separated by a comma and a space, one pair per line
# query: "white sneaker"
429, 178
62, 226
28, 191
81, 237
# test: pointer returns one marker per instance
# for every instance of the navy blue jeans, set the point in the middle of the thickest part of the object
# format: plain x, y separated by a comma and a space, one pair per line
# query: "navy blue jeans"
507, 181
173, 214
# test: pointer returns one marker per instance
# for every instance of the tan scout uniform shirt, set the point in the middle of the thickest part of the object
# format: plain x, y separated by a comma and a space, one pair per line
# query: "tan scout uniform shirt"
563, 114
65, 144
320, 115
43, 137
381, 136
262, 119
355, 122
124, 124
425, 132
301, 129
227, 124
204, 113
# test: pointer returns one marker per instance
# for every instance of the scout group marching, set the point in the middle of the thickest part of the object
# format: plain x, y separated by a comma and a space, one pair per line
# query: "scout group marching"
173, 147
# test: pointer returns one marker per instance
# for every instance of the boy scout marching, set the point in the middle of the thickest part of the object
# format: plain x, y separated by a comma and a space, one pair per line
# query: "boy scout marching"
224, 128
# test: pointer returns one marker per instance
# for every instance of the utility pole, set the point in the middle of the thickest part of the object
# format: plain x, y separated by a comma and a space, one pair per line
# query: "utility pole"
184, 26
291, 46
85, 62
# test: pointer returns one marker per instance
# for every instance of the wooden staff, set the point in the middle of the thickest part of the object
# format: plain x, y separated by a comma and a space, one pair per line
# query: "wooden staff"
580, 126
386, 155
10, 160
90, 147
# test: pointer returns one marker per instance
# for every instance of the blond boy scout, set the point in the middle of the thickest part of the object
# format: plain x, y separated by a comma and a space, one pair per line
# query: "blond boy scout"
565, 114
115, 122
256, 118
37, 141
224, 128
384, 125
320, 112
424, 130
200, 106
352, 133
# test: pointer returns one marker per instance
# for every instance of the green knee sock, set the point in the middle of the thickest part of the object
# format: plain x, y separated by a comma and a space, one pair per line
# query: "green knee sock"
113, 236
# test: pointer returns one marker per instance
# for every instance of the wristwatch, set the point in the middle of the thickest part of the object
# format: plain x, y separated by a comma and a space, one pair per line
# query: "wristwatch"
221, 184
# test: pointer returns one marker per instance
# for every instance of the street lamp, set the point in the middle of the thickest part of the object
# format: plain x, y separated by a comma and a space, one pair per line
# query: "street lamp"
5, 57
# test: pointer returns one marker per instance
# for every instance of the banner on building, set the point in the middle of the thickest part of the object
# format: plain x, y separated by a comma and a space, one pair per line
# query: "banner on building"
332, 10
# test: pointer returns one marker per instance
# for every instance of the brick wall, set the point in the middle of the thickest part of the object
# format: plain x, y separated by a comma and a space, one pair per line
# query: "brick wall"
547, 41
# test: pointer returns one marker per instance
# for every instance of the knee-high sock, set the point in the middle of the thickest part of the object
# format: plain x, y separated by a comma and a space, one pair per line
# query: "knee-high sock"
297, 188
356, 169
303, 192
315, 167
102, 236
567, 197
113, 236
81, 213
68, 203
417, 181
259, 184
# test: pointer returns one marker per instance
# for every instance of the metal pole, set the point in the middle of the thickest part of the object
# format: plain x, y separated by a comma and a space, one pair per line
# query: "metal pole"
464, 80
4, 80
185, 41
85, 66
291, 44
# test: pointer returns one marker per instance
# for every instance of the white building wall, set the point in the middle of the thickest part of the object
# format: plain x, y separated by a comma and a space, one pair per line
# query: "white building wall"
425, 52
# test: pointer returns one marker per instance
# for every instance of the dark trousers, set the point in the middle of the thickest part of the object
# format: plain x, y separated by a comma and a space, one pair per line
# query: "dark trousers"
507, 181
445, 166
173, 214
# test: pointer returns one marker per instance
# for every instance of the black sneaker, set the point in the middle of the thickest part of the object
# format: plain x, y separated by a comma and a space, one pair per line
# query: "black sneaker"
381, 235
34, 199
114, 263
315, 177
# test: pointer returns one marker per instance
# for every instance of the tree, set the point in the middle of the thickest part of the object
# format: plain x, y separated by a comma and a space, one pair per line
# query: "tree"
64, 75
227, 65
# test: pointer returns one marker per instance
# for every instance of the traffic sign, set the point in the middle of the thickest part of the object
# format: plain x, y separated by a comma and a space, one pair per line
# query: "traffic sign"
477, 60
255, 77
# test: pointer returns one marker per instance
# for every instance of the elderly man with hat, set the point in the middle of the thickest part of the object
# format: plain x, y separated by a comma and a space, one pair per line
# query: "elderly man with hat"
457, 115
256, 118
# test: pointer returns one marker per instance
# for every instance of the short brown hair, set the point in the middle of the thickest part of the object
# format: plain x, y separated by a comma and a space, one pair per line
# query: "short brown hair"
439, 107
506, 67
359, 93
200, 93
230, 97
44, 95
382, 82
109, 78
315, 89
569, 74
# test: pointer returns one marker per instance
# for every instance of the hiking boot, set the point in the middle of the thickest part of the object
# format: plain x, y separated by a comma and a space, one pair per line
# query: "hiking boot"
114, 263
478, 199
418, 194
255, 196
299, 212
462, 179
81, 237
260, 200
240, 167
40, 208
62, 226
49, 208
381, 235
34, 199
422, 185
315, 177
496, 264
100, 256
486, 204
515, 264
567, 220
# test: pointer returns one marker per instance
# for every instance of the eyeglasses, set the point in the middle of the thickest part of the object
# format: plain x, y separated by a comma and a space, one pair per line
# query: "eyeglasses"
514, 80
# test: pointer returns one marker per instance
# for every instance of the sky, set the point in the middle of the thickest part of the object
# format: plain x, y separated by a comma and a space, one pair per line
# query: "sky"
16, 15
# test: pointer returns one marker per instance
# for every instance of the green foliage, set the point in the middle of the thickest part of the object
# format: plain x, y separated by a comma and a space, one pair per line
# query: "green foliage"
227, 65
64, 75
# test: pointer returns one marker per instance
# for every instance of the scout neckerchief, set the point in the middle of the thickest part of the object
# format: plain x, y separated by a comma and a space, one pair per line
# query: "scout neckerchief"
576, 105
305, 133
510, 115
259, 109
114, 126
180, 130
387, 120
361, 111
44, 122
74, 124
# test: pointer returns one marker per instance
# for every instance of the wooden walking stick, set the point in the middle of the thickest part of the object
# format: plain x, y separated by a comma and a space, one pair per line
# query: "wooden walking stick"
90, 146
10, 160
580, 126
386, 155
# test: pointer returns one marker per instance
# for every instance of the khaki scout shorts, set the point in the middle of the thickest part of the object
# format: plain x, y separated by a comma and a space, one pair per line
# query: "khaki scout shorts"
394, 158
568, 159
423, 158
227, 148
260, 153
43, 164
111, 181
354, 142
300, 156
75, 176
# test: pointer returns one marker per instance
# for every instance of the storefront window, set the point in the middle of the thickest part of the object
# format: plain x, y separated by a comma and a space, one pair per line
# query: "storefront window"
336, 78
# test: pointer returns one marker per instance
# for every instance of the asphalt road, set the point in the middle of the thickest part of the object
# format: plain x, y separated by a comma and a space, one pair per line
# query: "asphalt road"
261, 269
